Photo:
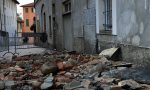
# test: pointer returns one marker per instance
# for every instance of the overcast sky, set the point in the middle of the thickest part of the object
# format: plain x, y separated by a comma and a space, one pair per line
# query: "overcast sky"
22, 2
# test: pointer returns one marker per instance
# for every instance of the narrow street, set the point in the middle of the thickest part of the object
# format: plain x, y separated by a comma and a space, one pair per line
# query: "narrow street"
74, 45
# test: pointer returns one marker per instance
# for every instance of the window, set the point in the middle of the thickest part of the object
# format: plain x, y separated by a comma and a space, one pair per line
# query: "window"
53, 8
108, 14
44, 22
32, 9
67, 6
50, 32
26, 10
27, 22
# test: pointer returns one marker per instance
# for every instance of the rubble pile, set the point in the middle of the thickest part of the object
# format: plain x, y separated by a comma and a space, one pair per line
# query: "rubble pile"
69, 71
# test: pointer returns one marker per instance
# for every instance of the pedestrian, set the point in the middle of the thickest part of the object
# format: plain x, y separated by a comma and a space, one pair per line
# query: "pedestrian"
33, 27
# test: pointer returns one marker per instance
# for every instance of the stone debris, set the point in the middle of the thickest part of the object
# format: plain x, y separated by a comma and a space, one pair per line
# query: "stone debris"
70, 71
129, 84
47, 83
109, 52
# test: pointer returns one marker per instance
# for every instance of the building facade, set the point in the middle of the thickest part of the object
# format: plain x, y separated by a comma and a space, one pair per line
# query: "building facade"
8, 21
28, 15
66, 25
90, 25
130, 29
10, 16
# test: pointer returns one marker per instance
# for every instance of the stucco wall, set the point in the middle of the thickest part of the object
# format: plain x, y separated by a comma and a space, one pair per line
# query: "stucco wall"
133, 22
84, 25
10, 17
41, 7
59, 22
29, 15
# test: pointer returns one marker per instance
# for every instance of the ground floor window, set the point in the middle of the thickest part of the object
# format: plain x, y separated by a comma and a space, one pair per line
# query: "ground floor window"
108, 14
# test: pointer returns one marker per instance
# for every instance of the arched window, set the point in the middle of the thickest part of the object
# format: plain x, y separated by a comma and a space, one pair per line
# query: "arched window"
43, 18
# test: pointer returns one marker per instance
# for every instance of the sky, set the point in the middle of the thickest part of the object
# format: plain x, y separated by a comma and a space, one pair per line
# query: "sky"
22, 2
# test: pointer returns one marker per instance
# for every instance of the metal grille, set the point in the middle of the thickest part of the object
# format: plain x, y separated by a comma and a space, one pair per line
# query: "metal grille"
15, 42
108, 14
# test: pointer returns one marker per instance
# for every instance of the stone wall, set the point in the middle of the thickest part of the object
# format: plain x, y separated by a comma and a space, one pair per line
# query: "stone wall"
130, 53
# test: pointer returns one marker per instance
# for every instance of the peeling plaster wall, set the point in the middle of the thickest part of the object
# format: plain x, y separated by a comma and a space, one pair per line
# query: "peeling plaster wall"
133, 31
133, 22
84, 25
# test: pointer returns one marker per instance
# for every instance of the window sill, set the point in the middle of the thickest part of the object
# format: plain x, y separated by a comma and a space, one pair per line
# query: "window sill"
106, 32
66, 13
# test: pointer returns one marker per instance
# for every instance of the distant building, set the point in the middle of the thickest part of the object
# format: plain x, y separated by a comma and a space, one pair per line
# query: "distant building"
28, 15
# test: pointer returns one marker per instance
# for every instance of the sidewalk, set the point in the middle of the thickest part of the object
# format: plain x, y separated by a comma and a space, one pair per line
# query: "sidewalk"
21, 50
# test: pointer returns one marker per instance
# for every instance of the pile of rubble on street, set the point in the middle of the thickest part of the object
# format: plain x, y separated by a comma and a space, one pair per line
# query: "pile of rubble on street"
70, 71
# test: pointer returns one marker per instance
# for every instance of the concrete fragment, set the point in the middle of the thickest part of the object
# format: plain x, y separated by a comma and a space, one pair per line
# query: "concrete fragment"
86, 84
48, 68
70, 63
35, 83
17, 68
62, 79
47, 83
145, 87
73, 85
105, 80
105, 87
108, 53
129, 83
45, 86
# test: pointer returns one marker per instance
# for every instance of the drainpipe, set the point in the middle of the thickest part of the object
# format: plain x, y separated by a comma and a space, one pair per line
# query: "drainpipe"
106, 14
0, 18
97, 25
4, 14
